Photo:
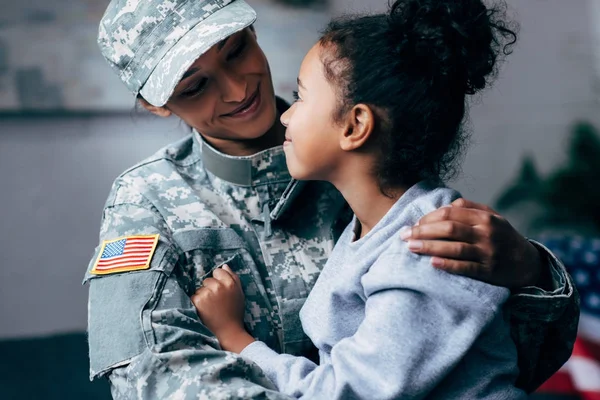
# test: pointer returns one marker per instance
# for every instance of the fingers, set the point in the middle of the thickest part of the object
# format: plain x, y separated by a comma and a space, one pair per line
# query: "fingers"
441, 230
466, 216
443, 249
198, 297
235, 276
464, 203
465, 268
221, 277
224, 277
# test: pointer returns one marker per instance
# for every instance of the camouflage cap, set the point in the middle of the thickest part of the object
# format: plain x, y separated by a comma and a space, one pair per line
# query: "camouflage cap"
151, 43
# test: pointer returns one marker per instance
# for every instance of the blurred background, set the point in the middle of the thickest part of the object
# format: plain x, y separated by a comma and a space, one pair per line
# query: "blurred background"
68, 128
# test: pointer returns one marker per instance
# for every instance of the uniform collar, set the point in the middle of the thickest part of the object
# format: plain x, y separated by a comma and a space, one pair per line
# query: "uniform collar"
260, 168
267, 166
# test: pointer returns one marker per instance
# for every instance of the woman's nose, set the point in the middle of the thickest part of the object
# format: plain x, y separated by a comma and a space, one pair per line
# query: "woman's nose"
234, 89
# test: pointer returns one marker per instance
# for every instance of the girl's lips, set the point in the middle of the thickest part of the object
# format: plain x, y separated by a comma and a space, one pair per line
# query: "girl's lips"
288, 140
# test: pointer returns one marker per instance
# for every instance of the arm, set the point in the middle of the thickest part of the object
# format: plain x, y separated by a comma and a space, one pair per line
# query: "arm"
412, 331
144, 333
544, 322
473, 240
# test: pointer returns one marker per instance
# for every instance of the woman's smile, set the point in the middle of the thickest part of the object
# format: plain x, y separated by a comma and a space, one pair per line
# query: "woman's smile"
249, 107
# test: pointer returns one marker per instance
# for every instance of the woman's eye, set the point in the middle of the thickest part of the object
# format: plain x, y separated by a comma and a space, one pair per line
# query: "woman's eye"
235, 53
296, 95
195, 90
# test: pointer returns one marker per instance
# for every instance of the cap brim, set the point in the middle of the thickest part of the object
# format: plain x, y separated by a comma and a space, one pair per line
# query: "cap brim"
168, 72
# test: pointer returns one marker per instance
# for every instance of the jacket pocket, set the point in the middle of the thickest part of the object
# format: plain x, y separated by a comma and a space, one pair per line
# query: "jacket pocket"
208, 249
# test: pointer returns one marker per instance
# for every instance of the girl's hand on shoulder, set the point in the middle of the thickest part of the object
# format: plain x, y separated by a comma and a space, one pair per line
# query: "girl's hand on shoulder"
471, 239
220, 305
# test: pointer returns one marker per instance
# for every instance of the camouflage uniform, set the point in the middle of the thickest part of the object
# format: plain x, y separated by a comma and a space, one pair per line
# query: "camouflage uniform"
208, 209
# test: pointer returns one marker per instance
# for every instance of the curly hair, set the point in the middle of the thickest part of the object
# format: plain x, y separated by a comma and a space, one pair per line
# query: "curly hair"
415, 66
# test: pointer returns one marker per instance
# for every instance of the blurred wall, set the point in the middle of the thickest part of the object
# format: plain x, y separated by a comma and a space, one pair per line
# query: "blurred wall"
56, 172
55, 176
547, 84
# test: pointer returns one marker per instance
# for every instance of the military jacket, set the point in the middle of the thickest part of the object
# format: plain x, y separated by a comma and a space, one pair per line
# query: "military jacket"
206, 209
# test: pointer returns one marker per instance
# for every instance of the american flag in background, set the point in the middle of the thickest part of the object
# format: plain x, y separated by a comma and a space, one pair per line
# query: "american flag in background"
125, 254
579, 378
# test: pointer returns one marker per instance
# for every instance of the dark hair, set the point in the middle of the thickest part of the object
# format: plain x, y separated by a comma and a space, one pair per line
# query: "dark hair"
414, 67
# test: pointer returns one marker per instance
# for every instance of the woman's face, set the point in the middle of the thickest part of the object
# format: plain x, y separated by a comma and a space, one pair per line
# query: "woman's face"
228, 92
312, 146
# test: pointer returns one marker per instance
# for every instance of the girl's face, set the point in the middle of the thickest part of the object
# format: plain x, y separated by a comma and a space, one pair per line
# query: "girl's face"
312, 147
228, 92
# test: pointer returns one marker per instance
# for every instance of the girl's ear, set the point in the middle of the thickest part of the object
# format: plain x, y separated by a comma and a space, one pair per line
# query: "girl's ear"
359, 125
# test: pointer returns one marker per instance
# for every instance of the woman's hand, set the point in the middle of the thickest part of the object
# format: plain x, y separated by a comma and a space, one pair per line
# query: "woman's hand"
471, 239
220, 305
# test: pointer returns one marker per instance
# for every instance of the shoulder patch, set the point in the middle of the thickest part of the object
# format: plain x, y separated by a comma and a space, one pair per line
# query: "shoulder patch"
129, 253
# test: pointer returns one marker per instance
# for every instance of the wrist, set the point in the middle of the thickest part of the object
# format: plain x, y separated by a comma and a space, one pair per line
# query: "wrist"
235, 340
534, 265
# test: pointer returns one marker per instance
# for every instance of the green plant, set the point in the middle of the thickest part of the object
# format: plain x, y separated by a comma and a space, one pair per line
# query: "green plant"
569, 197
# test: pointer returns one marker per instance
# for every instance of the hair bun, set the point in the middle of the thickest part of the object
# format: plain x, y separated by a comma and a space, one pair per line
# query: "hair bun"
456, 42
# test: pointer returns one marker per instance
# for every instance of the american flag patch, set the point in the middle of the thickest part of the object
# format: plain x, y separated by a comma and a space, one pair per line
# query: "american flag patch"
131, 253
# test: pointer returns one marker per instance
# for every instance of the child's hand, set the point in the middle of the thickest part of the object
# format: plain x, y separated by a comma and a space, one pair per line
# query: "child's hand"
220, 305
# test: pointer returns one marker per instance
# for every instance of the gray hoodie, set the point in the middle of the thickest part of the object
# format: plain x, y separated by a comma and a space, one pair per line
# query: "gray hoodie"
388, 325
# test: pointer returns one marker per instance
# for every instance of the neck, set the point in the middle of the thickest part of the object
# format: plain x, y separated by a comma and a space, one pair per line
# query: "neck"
275, 136
363, 194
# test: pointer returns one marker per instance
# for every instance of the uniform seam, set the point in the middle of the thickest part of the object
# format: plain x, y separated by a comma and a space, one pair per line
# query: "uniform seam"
155, 160
149, 308
147, 204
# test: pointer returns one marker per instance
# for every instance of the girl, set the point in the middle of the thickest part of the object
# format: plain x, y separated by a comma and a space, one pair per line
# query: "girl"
380, 104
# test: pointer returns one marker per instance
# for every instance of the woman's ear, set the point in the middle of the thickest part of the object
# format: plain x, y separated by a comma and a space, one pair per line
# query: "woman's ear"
359, 125
159, 111
253, 31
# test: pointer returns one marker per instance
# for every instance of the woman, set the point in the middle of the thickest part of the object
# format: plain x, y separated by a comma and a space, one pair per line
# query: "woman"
226, 196
387, 324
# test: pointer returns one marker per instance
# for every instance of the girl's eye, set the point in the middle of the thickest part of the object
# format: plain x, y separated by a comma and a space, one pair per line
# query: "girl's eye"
235, 53
296, 95
195, 90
